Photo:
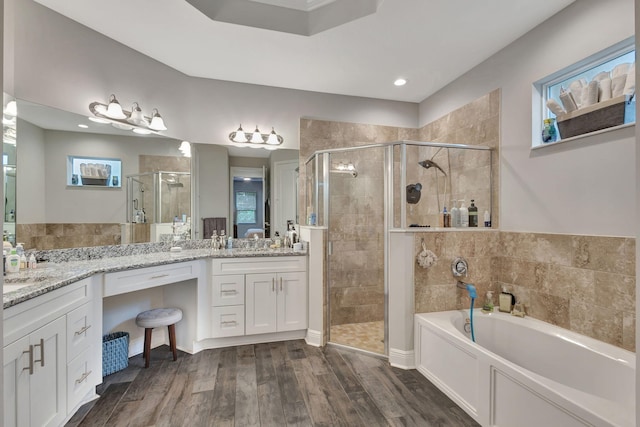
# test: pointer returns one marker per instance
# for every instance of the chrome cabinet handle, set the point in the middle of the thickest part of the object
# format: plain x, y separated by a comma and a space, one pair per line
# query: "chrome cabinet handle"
30, 368
83, 377
229, 291
158, 276
82, 330
41, 345
273, 284
229, 322
281, 284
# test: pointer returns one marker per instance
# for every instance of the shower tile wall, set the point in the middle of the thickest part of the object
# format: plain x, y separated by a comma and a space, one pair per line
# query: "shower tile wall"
582, 283
357, 273
175, 201
477, 123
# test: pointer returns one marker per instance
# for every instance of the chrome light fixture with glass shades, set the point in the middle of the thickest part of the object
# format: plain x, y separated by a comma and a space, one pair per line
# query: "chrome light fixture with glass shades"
134, 120
256, 139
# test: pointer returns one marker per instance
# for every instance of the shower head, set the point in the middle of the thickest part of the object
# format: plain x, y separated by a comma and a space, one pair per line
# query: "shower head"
430, 163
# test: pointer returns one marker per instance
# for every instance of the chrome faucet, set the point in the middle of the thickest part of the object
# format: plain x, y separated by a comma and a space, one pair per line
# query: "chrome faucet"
469, 288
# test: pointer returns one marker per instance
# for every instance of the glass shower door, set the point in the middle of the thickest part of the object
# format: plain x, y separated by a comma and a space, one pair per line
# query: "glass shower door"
356, 235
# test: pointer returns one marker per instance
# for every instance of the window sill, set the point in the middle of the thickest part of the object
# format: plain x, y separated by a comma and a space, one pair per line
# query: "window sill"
575, 138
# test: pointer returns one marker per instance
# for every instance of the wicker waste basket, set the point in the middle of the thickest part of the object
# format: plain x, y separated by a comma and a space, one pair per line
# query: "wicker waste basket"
115, 352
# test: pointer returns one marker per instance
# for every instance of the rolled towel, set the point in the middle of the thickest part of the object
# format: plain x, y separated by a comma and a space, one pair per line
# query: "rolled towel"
605, 90
630, 84
617, 85
592, 94
576, 87
555, 108
601, 76
620, 69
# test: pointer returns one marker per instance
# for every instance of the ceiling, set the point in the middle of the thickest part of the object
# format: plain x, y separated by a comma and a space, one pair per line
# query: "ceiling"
428, 42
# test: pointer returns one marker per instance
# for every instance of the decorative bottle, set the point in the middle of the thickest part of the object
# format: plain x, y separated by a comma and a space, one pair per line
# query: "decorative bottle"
549, 132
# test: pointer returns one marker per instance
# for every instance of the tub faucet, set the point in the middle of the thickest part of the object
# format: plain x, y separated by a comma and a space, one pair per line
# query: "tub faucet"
469, 288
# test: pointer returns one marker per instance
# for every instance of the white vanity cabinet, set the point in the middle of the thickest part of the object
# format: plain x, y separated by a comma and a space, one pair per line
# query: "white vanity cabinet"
258, 295
276, 302
46, 339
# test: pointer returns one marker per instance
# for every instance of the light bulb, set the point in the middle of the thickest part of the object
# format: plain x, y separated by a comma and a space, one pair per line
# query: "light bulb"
256, 137
156, 121
114, 110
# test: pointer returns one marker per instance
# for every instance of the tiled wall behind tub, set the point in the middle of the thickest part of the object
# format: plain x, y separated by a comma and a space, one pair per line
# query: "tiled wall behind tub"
582, 283
59, 236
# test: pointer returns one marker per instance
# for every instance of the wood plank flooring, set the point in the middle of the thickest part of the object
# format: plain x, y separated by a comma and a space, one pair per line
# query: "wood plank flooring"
275, 384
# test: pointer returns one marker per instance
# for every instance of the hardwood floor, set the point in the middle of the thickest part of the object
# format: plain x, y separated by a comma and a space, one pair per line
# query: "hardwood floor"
275, 384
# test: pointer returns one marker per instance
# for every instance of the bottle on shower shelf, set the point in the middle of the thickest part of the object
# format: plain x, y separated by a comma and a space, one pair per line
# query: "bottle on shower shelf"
464, 215
455, 214
446, 218
473, 215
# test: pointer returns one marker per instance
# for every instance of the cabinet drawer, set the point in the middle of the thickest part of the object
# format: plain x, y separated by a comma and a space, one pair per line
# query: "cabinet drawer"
228, 290
80, 330
227, 321
81, 377
258, 264
144, 278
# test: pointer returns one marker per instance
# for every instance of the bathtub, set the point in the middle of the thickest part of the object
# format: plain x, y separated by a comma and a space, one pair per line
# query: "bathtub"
524, 372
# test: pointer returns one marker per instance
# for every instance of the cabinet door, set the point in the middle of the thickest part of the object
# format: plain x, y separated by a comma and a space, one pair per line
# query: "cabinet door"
16, 383
47, 388
261, 297
292, 301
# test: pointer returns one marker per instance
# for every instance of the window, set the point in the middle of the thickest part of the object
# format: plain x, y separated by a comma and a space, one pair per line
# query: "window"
246, 207
603, 69
94, 171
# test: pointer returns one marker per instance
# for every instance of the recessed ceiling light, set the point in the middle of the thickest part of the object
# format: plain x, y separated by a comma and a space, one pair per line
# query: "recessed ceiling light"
400, 82
83, 126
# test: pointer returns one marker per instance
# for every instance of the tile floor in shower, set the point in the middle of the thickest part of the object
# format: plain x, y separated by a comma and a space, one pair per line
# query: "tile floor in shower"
365, 336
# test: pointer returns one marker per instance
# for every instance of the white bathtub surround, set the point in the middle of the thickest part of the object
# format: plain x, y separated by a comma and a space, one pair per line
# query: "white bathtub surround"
524, 372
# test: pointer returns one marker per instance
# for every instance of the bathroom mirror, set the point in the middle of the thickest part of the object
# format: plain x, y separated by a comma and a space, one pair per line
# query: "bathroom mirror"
48, 213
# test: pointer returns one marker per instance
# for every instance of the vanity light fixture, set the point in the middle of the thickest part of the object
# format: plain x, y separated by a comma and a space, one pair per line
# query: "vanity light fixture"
185, 148
11, 109
256, 138
133, 120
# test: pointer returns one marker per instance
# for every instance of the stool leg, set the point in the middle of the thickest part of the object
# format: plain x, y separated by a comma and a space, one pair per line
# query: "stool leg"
147, 346
172, 341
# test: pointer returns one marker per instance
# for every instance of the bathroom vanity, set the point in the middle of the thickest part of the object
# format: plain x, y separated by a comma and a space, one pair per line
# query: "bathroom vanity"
54, 317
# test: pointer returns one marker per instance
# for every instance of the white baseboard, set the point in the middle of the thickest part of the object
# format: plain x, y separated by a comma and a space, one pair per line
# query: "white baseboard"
402, 359
314, 338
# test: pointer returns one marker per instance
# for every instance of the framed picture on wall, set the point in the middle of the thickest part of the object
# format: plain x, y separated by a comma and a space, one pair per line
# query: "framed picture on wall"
94, 172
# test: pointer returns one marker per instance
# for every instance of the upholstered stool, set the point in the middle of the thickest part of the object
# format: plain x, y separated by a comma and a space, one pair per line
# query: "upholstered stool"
154, 318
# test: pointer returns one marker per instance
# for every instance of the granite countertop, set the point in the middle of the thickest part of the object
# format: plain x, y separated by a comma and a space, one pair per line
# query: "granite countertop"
53, 275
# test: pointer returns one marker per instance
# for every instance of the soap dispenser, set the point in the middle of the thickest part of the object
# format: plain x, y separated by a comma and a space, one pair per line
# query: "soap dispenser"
13, 262
488, 304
